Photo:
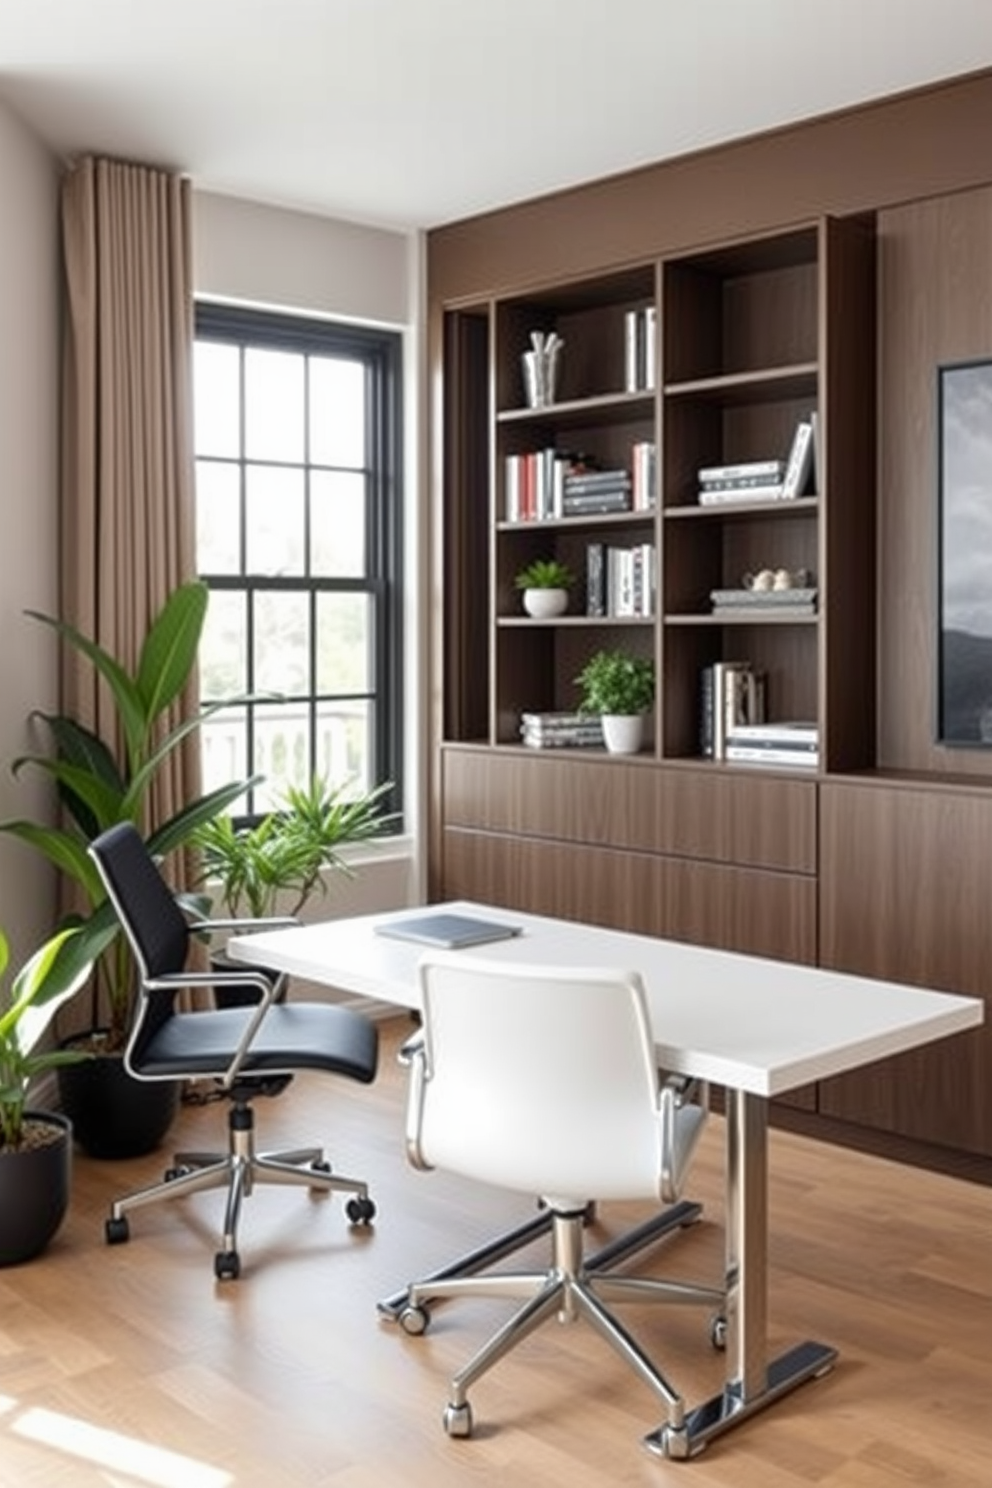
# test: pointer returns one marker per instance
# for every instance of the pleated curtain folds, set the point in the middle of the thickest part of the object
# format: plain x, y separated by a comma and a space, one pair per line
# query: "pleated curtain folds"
127, 484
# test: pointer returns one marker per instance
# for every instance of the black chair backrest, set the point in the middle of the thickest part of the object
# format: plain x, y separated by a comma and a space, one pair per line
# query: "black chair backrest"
147, 909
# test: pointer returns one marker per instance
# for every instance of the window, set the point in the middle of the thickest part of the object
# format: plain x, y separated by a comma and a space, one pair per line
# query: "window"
298, 500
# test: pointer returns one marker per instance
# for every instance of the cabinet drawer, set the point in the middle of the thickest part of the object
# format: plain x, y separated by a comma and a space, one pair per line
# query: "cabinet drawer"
709, 814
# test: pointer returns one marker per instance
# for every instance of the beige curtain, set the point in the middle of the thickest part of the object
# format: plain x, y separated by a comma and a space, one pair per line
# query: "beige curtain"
127, 513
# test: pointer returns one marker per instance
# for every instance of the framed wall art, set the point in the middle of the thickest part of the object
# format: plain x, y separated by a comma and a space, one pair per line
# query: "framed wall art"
964, 424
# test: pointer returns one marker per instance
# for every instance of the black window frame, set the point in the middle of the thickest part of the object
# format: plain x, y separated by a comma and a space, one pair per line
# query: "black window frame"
381, 352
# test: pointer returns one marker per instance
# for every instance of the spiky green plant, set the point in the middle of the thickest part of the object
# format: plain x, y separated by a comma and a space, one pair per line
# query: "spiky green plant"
290, 848
99, 786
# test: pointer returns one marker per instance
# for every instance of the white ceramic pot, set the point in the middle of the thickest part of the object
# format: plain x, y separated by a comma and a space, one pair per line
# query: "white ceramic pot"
544, 604
623, 733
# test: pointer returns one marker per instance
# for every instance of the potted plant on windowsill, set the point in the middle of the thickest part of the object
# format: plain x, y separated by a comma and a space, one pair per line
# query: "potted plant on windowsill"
620, 688
545, 584
35, 1145
101, 783
277, 864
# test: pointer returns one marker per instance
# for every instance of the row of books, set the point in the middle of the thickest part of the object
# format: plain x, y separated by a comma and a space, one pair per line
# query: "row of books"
543, 485
765, 480
786, 742
561, 730
620, 581
732, 695
640, 349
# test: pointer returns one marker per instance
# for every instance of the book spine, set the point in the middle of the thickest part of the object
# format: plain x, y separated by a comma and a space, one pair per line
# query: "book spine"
743, 754
808, 733
706, 712
595, 480
770, 469
650, 328
595, 580
771, 492
633, 331
742, 483
736, 740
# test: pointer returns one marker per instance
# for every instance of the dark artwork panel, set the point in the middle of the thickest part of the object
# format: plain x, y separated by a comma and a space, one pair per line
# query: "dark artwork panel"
965, 432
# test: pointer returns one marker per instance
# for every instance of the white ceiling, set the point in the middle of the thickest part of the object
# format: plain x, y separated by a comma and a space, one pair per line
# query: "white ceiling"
412, 113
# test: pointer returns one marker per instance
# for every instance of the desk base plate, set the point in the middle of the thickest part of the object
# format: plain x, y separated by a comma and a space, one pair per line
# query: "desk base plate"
804, 1362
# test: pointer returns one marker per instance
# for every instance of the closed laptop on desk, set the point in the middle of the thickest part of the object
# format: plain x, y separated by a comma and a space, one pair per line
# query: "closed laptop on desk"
450, 931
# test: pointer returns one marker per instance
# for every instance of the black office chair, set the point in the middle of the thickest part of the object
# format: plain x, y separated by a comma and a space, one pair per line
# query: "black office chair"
250, 1051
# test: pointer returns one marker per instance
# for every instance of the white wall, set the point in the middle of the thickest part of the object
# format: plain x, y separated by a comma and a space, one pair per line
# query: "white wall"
29, 444
260, 255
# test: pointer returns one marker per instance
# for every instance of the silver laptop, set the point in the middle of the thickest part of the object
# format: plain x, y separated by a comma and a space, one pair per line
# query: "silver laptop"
449, 931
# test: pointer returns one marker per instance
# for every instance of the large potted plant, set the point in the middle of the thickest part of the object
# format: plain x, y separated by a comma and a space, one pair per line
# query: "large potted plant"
35, 1145
101, 783
620, 688
277, 864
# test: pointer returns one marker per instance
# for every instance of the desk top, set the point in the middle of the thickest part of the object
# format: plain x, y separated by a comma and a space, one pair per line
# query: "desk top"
746, 1022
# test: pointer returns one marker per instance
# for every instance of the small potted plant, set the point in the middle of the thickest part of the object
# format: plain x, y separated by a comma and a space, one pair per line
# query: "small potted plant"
545, 584
35, 1145
620, 688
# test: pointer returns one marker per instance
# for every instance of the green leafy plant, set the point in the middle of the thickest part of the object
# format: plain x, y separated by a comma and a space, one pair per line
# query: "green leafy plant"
289, 850
615, 683
39, 989
100, 785
545, 573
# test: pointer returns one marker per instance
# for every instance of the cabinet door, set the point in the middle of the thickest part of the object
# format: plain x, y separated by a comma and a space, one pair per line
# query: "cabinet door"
905, 897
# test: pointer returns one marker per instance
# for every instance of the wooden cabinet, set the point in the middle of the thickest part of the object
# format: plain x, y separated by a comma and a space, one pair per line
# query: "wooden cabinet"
643, 848
904, 896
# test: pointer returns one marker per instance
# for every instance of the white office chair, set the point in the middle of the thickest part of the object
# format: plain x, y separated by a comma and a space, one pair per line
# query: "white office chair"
544, 1080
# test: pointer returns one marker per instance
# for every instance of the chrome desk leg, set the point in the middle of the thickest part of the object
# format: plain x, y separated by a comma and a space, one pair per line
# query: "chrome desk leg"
752, 1383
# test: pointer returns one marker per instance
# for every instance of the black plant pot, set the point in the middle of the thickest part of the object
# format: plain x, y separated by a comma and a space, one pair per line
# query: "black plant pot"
114, 1115
34, 1191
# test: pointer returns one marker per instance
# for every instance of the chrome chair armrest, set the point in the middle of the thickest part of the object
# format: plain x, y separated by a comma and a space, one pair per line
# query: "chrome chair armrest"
269, 989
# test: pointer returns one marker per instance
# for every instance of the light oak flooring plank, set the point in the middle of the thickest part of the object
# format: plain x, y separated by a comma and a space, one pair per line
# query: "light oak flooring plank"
132, 1368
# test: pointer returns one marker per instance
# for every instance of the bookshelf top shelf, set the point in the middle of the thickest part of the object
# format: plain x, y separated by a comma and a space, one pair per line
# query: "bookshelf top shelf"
769, 384
603, 408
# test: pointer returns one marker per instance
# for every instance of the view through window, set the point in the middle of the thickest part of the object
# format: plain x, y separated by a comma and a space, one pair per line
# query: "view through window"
297, 440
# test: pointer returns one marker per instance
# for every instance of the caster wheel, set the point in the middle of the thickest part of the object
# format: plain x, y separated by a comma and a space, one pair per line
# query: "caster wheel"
323, 1166
414, 1320
171, 1174
227, 1265
360, 1211
718, 1333
117, 1231
458, 1420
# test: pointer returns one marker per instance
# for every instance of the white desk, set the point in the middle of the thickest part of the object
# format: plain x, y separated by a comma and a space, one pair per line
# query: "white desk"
755, 1026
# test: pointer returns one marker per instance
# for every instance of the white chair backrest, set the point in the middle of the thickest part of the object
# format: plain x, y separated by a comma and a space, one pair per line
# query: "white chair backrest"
539, 1079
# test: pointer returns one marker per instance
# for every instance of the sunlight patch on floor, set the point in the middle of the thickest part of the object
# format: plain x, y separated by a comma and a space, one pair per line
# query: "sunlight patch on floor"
141, 1462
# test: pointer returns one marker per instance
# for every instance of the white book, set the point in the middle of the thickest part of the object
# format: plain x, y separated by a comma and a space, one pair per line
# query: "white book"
798, 469
784, 730
740, 754
773, 469
771, 492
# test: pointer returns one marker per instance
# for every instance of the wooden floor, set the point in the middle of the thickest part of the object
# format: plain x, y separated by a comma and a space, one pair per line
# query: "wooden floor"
132, 1367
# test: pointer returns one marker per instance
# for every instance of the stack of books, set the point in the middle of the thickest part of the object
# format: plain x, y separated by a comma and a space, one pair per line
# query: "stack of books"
754, 480
561, 731
764, 480
590, 491
784, 743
